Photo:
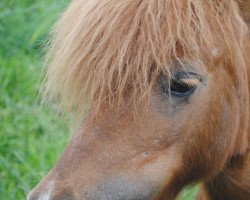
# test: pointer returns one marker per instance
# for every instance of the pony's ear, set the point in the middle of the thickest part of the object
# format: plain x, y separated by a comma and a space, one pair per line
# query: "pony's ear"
244, 6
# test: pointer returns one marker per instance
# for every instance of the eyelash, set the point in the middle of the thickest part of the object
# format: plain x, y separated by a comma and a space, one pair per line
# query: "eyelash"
176, 87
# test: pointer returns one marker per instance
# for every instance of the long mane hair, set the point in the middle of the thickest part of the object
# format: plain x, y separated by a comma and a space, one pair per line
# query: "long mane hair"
109, 50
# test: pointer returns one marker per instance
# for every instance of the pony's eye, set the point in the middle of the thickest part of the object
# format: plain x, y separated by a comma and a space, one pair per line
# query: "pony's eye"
182, 85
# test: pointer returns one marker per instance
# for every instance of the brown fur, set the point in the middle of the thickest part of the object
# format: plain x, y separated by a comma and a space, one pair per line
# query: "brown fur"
98, 48
109, 54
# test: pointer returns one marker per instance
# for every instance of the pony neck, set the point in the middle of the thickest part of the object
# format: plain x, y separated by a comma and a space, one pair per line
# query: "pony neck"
233, 183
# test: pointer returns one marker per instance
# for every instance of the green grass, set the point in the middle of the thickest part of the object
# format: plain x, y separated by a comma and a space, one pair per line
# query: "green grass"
31, 137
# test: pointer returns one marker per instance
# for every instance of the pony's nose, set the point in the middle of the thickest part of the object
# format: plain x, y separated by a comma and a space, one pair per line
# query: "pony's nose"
50, 193
47, 196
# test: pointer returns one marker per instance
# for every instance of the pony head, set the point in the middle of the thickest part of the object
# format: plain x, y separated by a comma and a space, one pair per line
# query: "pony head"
165, 85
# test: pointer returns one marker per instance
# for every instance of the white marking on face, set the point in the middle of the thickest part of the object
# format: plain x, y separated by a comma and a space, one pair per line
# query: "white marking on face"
146, 154
215, 52
195, 48
48, 192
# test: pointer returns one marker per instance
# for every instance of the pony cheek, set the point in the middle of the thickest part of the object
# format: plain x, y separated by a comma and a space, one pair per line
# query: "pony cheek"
211, 141
142, 178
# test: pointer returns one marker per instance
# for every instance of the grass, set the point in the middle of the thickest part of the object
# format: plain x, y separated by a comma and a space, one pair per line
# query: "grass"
31, 137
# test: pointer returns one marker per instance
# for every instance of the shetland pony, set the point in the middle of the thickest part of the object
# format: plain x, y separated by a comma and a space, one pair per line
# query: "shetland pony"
165, 85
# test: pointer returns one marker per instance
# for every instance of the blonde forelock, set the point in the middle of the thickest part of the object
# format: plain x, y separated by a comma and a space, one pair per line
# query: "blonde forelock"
114, 50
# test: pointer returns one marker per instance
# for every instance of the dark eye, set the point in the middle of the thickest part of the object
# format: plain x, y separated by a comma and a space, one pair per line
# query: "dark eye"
181, 88
182, 85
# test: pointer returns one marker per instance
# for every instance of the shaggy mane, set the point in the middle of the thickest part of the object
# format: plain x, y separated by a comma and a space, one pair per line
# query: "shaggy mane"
109, 50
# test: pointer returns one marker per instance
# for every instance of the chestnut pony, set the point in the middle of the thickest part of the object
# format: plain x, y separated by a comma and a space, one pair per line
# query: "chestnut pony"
165, 87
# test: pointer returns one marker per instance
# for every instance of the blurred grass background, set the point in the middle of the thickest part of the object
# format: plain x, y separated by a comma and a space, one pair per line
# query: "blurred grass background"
31, 137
